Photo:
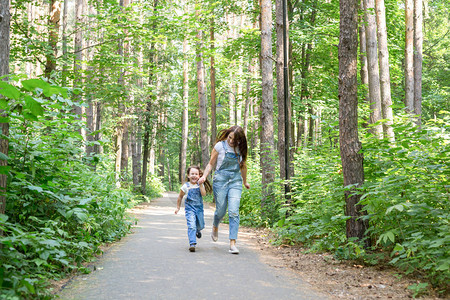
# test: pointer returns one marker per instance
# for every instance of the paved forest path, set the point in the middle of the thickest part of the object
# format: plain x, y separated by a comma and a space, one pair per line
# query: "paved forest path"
154, 263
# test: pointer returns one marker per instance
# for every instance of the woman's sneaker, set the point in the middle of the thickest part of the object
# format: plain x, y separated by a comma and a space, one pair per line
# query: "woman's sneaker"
215, 235
192, 248
199, 234
233, 250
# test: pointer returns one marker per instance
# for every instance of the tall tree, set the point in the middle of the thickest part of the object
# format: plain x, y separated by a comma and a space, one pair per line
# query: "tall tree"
185, 113
409, 55
385, 78
267, 132
4, 70
213, 86
374, 72
53, 23
201, 88
148, 119
350, 146
418, 45
282, 143
363, 52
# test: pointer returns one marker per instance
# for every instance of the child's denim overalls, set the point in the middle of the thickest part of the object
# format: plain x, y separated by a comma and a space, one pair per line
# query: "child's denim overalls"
227, 188
193, 208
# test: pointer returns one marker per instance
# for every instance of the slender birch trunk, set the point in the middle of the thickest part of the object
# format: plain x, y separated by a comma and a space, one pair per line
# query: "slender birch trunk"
267, 124
372, 61
201, 87
4, 70
385, 78
363, 53
409, 55
418, 44
185, 116
213, 88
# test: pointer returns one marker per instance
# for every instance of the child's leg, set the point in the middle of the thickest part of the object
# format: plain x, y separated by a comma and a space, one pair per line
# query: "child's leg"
200, 220
192, 226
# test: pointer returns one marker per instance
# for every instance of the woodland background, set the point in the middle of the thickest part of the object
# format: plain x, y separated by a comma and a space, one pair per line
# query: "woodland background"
105, 103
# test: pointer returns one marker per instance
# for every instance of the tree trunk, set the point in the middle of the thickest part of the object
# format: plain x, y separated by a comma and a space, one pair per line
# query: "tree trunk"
185, 116
64, 42
350, 146
148, 110
4, 70
79, 13
213, 90
363, 53
53, 25
267, 139
201, 87
409, 55
248, 99
418, 43
374, 73
282, 143
385, 78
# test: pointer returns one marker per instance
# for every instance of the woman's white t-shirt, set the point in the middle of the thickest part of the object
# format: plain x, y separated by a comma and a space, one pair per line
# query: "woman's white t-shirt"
220, 149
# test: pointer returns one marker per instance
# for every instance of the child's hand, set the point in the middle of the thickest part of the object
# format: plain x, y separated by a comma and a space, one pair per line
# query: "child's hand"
177, 210
201, 180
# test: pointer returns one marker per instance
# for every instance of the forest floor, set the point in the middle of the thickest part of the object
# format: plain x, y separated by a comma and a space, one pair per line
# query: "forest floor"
339, 279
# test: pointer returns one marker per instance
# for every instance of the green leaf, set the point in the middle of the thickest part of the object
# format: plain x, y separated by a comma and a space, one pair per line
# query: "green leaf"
34, 106
3, 219
29, 285
391, 236
4, 170
32, 84
444, 267
35, 188
3, 156
9, 91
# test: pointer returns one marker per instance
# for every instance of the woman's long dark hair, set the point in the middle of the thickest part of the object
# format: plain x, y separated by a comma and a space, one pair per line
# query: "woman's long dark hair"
239, 138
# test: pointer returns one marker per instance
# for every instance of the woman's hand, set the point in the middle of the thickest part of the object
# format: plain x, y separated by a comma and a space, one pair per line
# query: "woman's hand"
177, 210
247, 186
201, 180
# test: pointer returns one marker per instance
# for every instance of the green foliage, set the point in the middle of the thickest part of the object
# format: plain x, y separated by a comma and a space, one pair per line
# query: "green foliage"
315, 215
250, 209
407, 197
58, 209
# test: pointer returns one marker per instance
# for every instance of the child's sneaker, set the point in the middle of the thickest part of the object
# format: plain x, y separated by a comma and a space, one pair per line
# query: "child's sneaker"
192, 248
199, 234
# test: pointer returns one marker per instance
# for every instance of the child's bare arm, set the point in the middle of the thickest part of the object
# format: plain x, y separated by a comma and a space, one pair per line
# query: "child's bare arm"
180, 197
202, 189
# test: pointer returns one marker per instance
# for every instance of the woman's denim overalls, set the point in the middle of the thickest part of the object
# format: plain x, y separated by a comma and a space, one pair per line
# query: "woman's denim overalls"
227, 188
193, 208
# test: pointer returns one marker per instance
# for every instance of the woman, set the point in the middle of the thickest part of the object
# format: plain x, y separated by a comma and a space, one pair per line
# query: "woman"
229, 156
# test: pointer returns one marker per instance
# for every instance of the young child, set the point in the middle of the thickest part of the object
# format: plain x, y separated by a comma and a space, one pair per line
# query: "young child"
192, 193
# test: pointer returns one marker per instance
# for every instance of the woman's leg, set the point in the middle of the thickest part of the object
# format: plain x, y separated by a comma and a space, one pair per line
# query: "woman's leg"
220, 194
234, 200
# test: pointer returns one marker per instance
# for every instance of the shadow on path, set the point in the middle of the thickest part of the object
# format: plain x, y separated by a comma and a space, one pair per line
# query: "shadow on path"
154, 263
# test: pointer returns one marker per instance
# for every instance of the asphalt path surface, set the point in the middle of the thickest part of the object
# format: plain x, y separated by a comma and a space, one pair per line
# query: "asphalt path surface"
154, 263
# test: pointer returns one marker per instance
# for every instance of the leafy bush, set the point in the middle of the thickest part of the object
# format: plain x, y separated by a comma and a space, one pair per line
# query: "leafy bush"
407, 197
59, 210
315, 215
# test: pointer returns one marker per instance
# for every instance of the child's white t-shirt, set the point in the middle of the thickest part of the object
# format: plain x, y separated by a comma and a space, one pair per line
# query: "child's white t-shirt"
219, 148
185, 188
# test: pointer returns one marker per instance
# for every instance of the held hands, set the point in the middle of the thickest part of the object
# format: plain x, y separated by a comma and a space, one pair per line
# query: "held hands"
201, 180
